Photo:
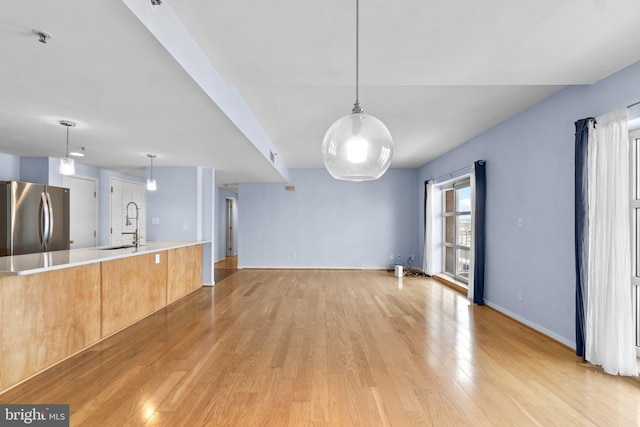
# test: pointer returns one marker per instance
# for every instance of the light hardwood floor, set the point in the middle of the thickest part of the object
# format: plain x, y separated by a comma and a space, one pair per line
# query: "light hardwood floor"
331, 348
225, 268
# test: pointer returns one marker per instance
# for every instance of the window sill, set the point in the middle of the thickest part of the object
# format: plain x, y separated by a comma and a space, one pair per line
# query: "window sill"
451, 282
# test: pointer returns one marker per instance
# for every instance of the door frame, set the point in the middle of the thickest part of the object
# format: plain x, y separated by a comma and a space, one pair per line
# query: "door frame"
96, 206
141, 206
230, 226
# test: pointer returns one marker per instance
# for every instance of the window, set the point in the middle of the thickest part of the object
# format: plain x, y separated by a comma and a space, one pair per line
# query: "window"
456, 239
635, 224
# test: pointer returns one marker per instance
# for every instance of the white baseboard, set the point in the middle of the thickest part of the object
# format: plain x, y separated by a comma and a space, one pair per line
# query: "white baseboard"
301, 267
532, 325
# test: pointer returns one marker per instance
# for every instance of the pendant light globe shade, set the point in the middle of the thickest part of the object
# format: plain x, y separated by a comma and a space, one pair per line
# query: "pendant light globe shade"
357, 147
151, 183
67, 166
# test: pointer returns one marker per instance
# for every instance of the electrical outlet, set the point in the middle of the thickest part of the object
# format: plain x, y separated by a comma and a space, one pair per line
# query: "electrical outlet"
519, 295
413, 257
185, 226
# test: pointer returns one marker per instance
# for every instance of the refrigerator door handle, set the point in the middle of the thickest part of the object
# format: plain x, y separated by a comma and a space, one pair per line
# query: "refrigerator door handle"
50, 206
44, 221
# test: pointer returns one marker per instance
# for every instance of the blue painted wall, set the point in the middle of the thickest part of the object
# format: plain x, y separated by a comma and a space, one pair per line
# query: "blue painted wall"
34, 169
175, 203
208, 218
530, 172
185, 195
9, 167
41, 170
328, 223
208, 192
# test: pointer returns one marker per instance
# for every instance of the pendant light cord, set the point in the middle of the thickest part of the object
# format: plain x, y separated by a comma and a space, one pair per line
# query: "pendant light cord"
357, 48
67, 124
356, 106
67, 153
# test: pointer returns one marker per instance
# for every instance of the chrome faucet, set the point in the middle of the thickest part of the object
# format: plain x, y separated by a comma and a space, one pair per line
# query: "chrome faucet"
136, 234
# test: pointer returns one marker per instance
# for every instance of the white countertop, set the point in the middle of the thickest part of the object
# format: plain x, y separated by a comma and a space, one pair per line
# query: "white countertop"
21, 265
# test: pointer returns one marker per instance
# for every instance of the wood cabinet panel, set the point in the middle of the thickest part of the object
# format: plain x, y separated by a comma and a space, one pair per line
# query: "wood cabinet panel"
184, 272
132, 288
46, 317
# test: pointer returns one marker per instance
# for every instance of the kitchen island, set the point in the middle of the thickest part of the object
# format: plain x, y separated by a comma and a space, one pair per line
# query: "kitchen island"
55, 304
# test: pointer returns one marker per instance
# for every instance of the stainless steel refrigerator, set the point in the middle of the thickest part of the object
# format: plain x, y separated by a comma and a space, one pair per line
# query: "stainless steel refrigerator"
33, 218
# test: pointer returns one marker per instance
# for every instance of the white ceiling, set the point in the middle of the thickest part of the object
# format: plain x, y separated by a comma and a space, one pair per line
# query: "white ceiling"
437, 73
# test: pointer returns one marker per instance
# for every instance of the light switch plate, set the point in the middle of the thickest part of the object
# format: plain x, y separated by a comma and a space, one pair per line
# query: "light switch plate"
157, 258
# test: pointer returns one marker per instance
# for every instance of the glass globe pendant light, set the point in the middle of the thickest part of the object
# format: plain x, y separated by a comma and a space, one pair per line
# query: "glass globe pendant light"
67, 165
357, 147
151, 183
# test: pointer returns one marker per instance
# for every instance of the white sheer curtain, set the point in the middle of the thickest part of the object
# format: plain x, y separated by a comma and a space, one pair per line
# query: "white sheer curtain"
609, 330
427, 262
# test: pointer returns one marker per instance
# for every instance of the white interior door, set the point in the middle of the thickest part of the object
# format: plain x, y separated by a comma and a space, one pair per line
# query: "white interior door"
122, 194
83, 210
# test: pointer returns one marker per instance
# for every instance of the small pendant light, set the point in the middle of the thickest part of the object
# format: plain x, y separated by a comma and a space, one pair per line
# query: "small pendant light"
151, 183
67, 165
357, 147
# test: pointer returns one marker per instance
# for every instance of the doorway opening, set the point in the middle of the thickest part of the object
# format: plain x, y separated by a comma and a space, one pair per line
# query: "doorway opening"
229, 226
226, 267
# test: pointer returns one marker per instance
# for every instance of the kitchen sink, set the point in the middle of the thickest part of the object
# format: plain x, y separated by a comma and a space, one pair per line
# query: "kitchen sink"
112, 248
